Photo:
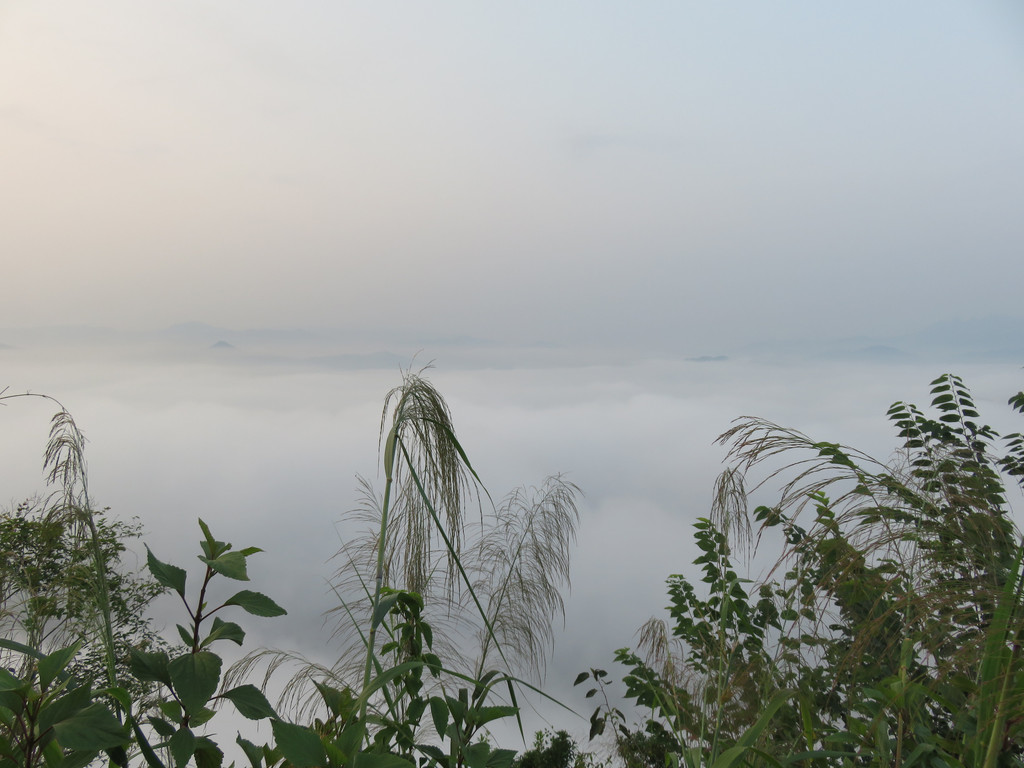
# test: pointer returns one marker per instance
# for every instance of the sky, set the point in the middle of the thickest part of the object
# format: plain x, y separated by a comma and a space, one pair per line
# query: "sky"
494, 187
650, 174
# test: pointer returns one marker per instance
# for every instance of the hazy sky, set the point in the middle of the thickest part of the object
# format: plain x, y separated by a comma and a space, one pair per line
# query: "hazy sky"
640, 173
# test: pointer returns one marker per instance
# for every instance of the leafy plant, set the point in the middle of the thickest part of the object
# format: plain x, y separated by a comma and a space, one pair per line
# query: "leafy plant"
46, 716
47, 590
191, 679
887, 632
498, 579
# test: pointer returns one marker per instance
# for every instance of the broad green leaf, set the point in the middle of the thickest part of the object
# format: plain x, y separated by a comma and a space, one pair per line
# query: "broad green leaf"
250, 702
169, 575
224, 630
208, 754
195, 677
339, 701
204, 715
256, 603
230, 564
300, 746
161, 726
150, 666
252, 752
67, 706
93, 728
484, 715
52, 665
475, 755
171, 709
501, 758
9, 682
120, 695
352, 737
374, 760
182, 745
439, 714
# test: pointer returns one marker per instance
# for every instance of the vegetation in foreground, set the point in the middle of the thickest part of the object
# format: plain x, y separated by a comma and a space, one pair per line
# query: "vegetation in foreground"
888, 632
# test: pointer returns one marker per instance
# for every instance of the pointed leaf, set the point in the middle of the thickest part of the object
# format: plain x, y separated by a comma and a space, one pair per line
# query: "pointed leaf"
254, 753
256, 603
210, 545
250, 702
439, 714
224, 630
9, 682
52, 665
185, 635
195, 677
169, 575
150, 666
300, 746
375, 760
230, 564
93, 728
182, 745
208, 754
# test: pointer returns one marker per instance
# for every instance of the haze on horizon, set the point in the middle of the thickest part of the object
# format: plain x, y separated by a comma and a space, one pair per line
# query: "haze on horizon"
644, 174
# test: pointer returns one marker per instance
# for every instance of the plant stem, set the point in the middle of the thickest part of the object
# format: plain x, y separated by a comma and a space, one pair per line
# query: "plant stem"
389, 463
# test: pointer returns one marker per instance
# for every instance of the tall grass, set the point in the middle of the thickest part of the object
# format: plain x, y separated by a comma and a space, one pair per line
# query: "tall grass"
69, 505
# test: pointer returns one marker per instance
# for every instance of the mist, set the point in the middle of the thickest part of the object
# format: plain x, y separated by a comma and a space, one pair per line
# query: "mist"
268, 455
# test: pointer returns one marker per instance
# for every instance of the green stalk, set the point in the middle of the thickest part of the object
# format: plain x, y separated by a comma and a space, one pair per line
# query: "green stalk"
389, 470
999, 662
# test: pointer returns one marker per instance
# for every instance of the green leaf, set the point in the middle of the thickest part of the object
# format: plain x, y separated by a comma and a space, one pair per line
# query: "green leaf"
195, 677
208, 754
161, 726
256, 603
210, 545
68, 705
501, 758
171, 709
252, 752
475, 755
51, 666
9, 682
149, 666
230, 564
182, 745
384, 606
169, 575
201, 717
300, 746
93, 728
185, 635
339, 702
250, 702
439, 714
375, 760
484, 715
224, 630
147, 751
